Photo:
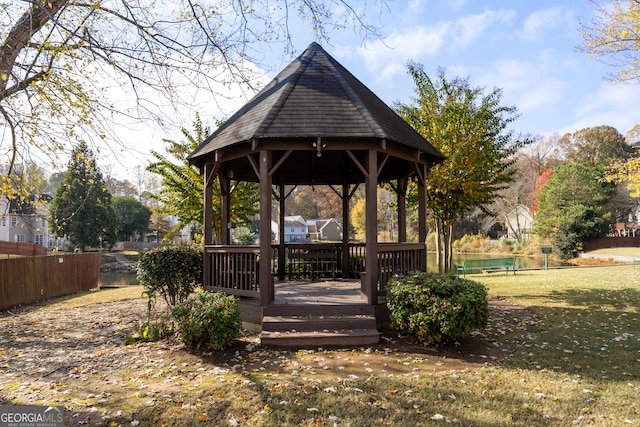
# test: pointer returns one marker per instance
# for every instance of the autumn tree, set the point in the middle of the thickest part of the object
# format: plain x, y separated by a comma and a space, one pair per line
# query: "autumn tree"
67, 68
613, 35
81, 209
182, 189
470, 128
573, 206
596, 146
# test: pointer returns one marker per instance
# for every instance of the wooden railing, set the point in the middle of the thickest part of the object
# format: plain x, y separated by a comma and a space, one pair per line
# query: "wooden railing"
299, 265
234, 269
399, 258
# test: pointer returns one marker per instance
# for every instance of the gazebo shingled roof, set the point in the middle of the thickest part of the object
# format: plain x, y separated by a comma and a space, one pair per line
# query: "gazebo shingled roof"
314, 96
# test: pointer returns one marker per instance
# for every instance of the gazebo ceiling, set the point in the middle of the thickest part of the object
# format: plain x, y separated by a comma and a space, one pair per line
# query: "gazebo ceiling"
318, 121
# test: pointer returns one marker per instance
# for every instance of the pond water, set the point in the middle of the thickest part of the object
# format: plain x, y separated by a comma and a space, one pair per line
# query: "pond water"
521, 261
117, 279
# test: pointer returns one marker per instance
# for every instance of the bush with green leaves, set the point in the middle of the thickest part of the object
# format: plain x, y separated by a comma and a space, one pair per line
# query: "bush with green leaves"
437, 308
208, 320
171, 272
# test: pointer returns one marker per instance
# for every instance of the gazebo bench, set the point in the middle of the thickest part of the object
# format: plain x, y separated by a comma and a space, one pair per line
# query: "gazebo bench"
316, 261
487, 264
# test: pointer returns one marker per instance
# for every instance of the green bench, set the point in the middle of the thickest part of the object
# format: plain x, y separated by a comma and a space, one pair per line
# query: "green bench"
487, 264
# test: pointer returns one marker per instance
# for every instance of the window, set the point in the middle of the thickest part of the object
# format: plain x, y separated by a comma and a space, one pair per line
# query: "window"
43, 222
3, 221
21, 238
293, 230
14, 221
39, 240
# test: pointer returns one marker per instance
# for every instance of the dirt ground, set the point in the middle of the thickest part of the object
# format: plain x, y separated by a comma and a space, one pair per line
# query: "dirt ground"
70, 357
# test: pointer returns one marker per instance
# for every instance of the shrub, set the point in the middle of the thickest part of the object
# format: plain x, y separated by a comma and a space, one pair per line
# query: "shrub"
208, 321
155, 326
437, 308
171, 272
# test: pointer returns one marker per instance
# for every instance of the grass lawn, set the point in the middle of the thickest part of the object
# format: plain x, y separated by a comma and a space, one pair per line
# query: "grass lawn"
578, 364
586, 353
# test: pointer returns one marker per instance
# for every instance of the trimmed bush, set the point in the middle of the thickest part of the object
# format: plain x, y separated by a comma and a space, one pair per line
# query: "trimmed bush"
171, 272
208, 321
437, 308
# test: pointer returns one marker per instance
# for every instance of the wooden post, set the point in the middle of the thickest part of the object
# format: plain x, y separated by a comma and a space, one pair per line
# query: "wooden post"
402, 209
207, 218
422, 213
208, 204
281, 246
370, 285
345, 230
265, 278
225, 211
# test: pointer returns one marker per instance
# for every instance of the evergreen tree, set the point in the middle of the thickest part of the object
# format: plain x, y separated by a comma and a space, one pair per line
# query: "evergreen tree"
82, 210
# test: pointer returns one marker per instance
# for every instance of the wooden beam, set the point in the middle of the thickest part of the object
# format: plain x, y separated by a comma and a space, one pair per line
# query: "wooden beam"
254, 165
358, 164
279, 163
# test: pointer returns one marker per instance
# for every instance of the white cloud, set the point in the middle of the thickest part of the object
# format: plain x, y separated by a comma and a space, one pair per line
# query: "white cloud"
387, 58
615, 106
535, 24
529, 85
468, 29
421, 42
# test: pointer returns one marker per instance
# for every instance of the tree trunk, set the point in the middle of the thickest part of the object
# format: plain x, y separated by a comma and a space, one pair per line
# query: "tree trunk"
439, 246
448, 255
444, 245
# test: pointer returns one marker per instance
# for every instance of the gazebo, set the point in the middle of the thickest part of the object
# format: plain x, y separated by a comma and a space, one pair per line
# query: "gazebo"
313, 124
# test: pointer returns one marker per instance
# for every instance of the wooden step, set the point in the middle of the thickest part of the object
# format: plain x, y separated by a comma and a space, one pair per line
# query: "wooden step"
314, 338
317, 323
315, 330
318, 310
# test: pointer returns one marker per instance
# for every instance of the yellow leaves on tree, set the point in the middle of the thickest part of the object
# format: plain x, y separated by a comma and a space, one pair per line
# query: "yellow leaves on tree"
615, 33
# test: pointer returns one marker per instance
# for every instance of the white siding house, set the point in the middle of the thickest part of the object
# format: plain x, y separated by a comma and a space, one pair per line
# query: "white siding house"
295, 230
519, 223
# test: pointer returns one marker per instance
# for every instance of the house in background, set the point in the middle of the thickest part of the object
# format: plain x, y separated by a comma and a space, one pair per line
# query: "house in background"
27, 222
324, 229
519, 223
295, 230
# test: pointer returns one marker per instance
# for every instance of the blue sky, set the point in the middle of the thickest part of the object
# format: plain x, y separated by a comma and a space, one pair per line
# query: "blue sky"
526, 48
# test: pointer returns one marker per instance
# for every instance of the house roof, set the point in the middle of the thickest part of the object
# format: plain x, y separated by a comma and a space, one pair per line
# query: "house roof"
316, 225
314, 96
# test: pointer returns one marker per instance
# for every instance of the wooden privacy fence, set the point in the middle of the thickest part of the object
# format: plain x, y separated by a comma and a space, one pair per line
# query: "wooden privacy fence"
23, 249
25, 280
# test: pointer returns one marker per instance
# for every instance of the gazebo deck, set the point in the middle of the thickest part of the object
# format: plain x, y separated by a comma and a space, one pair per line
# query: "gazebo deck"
329, 292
